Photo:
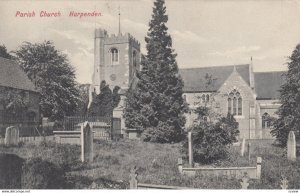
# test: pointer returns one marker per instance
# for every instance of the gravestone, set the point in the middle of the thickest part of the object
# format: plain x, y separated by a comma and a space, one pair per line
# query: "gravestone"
12, 136
243, 147
86, 143
291, 146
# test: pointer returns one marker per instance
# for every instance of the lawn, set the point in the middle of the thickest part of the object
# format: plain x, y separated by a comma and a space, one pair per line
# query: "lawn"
157, 164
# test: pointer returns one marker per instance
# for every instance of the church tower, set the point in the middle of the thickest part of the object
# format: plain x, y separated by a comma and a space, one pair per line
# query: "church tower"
116, 60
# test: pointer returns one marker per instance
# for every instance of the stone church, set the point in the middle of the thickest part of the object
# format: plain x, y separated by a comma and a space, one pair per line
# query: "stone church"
116, 60
250, 96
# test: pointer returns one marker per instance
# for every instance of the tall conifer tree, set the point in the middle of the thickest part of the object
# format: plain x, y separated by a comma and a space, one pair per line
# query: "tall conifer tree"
156, 105
289, 111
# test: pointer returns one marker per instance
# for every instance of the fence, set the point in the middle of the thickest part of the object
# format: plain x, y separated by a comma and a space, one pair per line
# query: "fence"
103, 127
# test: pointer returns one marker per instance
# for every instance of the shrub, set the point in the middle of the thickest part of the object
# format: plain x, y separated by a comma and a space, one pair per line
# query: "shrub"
10, 170
40, 174
211, 140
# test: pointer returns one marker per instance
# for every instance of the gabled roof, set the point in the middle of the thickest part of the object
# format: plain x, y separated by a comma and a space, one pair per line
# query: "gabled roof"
195, 81
267, 84
11, 75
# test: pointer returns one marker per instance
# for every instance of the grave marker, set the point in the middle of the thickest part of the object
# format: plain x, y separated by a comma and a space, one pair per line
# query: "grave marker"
86, 143
291, 146
12, 135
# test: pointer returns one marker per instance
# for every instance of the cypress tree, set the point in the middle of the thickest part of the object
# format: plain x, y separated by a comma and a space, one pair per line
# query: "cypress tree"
155, 105
289, 111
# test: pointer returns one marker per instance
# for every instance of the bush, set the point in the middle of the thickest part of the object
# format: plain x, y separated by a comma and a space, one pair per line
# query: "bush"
211, 140
11, 171
39, 174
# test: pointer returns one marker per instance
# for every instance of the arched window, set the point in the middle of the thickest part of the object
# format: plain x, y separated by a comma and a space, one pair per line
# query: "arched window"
229, 105
207, 98
203, 98
134, 59
114, 56
234, 106
184, 98
235, 103
265, 120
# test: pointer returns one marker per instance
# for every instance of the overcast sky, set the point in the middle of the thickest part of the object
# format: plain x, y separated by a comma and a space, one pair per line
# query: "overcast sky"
204, 33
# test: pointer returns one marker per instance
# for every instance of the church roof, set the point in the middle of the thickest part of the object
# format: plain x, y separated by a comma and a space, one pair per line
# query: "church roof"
11, 75
267, 84
195, 81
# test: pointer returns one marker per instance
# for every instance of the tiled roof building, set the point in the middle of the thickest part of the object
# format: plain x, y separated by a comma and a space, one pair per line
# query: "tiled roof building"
12, 77
249, 96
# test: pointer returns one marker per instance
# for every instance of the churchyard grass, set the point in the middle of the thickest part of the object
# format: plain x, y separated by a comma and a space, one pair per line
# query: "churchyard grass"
157, 164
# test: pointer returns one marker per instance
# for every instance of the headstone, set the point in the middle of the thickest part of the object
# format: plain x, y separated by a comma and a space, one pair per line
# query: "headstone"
12, 136
86, 143
243, 147
284, 183
291, 146
190, 149
244, 183
133, 178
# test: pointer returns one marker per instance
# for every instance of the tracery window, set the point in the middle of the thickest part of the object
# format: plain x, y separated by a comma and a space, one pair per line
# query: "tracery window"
265, 120
235, 103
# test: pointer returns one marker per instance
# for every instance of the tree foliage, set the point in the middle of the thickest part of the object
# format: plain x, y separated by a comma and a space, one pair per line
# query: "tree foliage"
4, 53
104, 103
13, 101
82, 107
289, 111
155, 105
211, 138
53, 75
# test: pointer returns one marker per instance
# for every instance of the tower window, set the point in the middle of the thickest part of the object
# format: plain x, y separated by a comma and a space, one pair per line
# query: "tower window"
134, 59
235, 103
114, 56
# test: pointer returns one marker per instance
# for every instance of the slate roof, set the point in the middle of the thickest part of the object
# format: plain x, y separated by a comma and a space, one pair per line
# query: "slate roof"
11, 75
267, 84
195, 81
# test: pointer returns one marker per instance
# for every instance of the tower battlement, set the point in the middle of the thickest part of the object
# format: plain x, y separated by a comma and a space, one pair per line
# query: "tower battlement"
120, 38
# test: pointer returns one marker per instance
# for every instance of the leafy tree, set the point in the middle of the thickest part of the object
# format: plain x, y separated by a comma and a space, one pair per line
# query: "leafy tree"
83, 102
53, 75
4, 53
104, 103
155, 105
289, 111
211, 139
13, 102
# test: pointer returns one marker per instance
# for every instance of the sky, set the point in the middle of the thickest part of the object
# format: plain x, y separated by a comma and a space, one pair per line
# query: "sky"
204, 33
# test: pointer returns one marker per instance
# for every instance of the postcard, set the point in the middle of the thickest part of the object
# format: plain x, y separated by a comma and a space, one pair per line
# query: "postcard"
149, 94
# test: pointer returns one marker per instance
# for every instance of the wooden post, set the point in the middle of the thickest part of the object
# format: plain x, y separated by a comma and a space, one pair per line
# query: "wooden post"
258, 167
243, 147
133, 178
180, 165
249, 151
190, 149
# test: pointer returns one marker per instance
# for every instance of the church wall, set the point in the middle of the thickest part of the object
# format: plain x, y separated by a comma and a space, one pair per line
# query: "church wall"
247, 119
117, 74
